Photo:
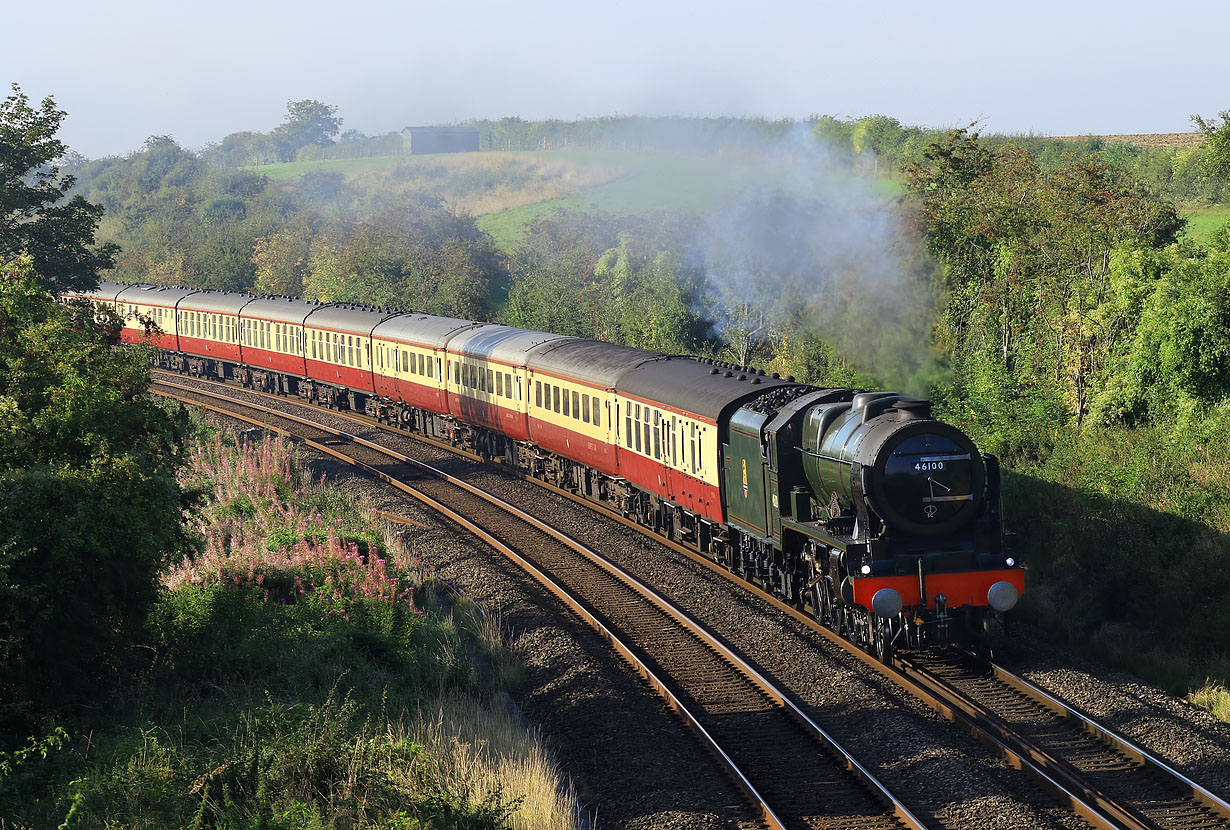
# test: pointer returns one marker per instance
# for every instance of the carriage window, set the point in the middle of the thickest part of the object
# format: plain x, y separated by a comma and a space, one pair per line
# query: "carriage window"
457, 374
576, 404
597, 412
700, 450
555, 398
645, 430
657, 435
567, 410
538, 394
367, 354
693, 446
499, 384
430, 373
636, 428
314, 339
213, 326
627, 427
585, 408
508, 387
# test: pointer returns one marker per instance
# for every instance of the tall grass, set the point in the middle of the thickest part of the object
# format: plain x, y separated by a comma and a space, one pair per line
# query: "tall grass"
1129, 550
299, 673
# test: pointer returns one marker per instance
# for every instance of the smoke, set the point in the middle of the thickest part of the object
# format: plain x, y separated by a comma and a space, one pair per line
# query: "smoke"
808, 243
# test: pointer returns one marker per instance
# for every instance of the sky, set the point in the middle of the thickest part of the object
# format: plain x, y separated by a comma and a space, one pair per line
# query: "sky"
128, 69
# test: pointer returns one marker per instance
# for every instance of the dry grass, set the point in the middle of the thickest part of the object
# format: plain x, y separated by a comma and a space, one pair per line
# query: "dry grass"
482, 750
1215, 697
480, 183
1151, 140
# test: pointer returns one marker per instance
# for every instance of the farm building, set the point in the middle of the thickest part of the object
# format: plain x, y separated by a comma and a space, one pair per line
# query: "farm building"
420, 140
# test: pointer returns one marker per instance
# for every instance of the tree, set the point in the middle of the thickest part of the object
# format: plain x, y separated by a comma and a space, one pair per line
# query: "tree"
89, 502
34, 219
281, 261
1219, 143
307, 123
1028, 259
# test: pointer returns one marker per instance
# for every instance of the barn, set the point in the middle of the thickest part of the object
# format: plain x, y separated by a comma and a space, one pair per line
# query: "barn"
453, 139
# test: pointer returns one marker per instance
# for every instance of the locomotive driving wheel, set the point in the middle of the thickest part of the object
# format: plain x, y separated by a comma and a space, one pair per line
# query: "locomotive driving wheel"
827, 611
883, 636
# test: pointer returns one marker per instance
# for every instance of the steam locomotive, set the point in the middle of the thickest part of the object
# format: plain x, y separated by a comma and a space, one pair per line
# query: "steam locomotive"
884, 520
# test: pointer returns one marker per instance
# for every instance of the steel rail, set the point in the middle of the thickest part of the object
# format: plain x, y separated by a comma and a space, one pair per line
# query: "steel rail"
1055, 775
899, 809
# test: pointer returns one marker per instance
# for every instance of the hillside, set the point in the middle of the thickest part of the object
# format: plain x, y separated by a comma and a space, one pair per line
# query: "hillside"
1150, 140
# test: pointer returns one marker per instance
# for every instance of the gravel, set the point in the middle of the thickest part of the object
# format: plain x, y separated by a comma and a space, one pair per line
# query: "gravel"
630, 760
585, 703
1184, 736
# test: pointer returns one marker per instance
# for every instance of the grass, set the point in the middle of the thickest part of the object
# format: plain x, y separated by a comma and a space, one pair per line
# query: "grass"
674, 182
1215, 697
1203, 221
298, 672
1129, 551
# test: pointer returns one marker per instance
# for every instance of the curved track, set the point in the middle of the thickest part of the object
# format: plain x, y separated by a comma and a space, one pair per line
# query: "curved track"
1104, 778
1124, 784
787, 765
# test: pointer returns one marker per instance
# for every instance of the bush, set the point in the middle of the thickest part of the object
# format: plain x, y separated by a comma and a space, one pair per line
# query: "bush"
89, 503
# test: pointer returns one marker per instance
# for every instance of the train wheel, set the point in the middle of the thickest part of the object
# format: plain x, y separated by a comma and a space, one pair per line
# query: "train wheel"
821, 607
884, 641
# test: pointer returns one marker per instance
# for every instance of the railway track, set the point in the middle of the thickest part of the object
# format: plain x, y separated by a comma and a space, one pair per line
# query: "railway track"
789, 767
1102, 776
1124, 784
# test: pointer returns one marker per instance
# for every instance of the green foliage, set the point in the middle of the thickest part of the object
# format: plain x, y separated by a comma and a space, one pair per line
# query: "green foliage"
1124, 531
308, 123
271, 702
431, 261
1175, 365
1028, 261
89, 504
626, 281
1217, 161
58, 236
1089, 350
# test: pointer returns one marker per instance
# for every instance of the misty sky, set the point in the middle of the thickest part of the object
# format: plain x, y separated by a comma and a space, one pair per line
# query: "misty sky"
128, 69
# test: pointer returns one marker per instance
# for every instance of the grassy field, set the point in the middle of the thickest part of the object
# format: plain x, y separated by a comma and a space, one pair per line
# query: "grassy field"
1203, 221
665, 182
506, 191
